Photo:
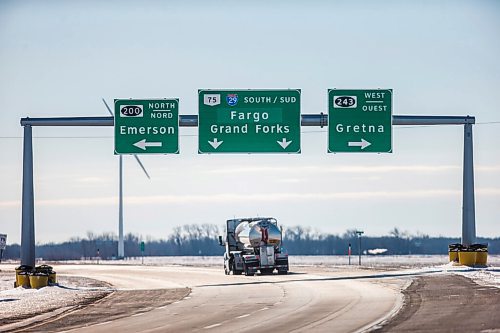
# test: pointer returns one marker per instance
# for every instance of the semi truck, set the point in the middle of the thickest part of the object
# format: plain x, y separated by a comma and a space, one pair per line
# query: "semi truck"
254, 244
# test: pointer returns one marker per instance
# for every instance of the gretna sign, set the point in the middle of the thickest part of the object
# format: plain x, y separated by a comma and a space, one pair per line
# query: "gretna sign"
360, 121
249, 121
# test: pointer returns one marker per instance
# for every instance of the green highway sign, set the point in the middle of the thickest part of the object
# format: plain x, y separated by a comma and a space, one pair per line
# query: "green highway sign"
249, 121
142, 246
146, 126
360, 121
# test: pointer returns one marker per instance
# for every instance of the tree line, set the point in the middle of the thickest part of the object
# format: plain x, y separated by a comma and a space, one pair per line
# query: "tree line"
202, 240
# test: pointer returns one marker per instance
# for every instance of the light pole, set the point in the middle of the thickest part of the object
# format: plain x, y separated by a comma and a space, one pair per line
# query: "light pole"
349, 253
359, 233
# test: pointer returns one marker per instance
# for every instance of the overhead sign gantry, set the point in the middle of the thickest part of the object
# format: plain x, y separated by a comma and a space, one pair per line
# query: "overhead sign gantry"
288, 145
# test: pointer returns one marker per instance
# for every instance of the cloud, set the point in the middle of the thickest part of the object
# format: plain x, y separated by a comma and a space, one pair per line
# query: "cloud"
355, 169
487, 168
291, 180
93, 180
225, 198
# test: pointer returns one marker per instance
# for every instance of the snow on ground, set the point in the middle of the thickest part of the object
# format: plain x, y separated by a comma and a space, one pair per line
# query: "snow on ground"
486, 276
20, 303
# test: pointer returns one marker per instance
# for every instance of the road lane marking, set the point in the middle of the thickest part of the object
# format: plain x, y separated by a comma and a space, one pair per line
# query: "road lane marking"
137, 314
263, 309
212, 326
243, 316
103, 323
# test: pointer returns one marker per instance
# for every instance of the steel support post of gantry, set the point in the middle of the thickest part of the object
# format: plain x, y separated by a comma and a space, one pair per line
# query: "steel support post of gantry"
28, 204
468, 205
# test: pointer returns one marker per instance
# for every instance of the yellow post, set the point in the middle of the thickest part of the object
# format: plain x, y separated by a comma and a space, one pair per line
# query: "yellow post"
467, 258
23, 279
39, 281
52, 277
481, 258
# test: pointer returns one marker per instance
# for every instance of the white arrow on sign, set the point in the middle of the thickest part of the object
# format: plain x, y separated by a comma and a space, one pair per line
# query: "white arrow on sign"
215, 143
283, 143
363, 144
143, 144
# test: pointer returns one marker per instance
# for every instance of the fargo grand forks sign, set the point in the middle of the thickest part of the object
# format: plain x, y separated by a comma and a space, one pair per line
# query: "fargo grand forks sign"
249, 121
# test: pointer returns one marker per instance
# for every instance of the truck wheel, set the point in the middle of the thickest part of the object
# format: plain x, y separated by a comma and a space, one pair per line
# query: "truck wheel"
282, 272
266, 271
247, 271
236, 271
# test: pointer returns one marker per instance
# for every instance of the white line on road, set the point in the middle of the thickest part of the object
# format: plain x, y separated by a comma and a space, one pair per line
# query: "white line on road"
137, 314
243, 316
263, 309
212, 326
103, 323
98, 324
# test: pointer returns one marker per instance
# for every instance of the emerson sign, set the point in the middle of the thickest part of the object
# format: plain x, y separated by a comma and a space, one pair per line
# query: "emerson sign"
146, 126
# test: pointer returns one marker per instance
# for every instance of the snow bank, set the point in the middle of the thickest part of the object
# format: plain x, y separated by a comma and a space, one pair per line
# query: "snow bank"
485, 276
17, 304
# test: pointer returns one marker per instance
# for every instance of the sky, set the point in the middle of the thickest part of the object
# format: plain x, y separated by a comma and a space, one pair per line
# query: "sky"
59, 58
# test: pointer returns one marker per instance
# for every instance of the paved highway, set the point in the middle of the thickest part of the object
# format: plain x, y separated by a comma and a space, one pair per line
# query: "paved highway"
301, 302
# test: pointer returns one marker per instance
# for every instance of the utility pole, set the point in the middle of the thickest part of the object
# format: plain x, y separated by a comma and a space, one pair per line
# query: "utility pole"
349, 253
142, 252
359, 233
